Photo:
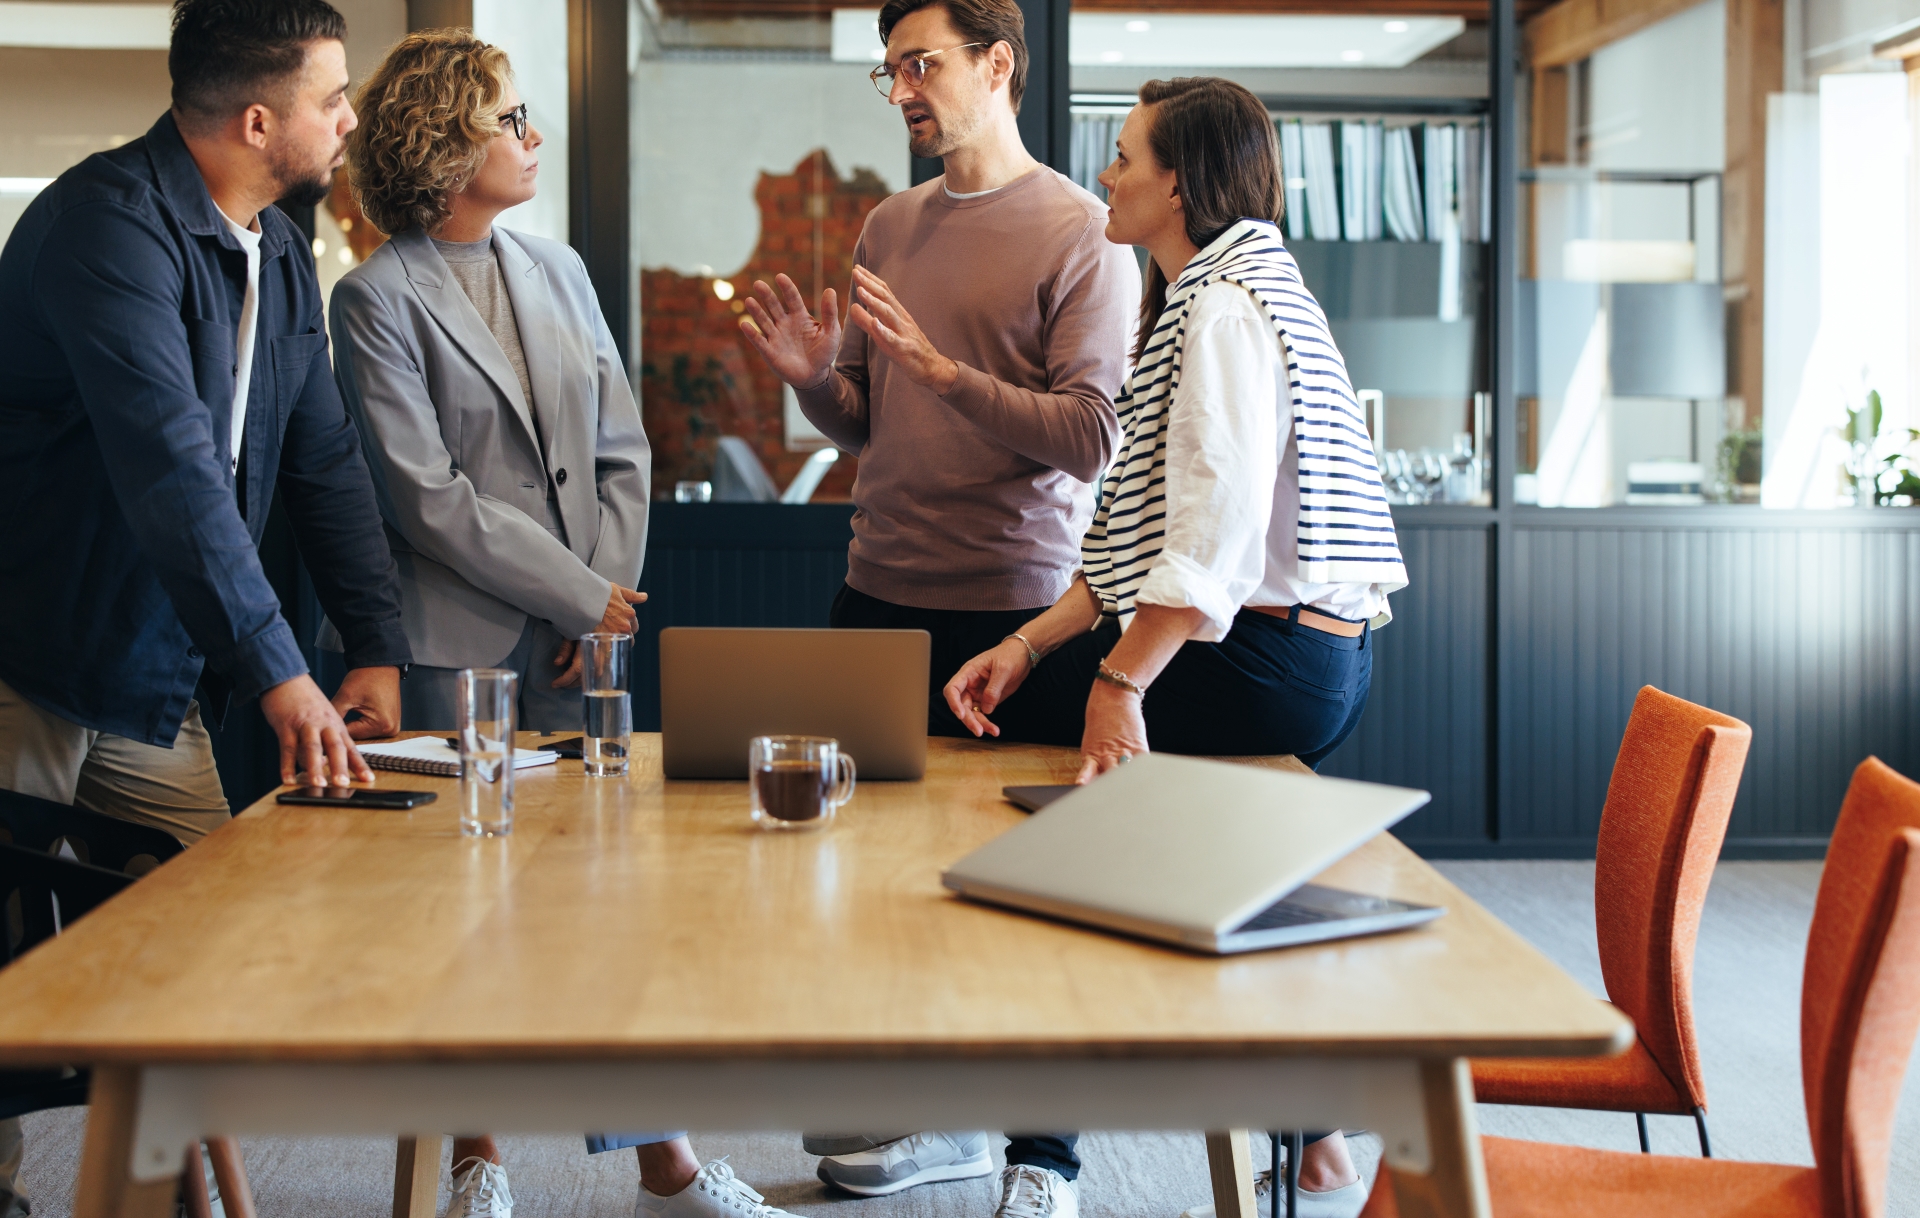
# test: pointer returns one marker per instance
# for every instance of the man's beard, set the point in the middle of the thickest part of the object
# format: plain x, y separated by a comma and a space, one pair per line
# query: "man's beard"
946, 136
302, 185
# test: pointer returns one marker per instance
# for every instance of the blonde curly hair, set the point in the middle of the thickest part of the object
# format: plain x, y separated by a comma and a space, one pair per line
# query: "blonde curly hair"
427, 115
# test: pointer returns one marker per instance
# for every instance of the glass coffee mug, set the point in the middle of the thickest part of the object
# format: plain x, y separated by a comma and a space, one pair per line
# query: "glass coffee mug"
797, 781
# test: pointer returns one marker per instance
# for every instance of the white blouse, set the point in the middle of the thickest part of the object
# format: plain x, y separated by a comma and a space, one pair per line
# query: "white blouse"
1233, 478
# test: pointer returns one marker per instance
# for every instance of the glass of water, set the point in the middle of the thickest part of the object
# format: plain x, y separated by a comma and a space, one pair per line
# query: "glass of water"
609, 708
487, 700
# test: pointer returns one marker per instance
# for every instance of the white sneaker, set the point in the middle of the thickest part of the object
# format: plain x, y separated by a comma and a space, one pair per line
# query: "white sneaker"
1036, 1192
920, 1158
1344, 1202
715, 1193
480, 1191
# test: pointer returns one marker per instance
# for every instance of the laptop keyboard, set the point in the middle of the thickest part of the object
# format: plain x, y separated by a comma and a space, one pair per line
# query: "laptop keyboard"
1285, 913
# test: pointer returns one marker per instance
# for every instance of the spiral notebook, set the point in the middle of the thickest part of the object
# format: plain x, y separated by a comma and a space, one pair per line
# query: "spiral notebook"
433, 755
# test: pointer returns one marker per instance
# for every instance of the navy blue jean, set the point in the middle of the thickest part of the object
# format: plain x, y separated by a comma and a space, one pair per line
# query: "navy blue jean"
1269, 687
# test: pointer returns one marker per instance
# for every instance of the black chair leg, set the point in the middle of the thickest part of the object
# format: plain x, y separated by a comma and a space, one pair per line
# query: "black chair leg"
1700, 1123
1296, 1146
1640, 1119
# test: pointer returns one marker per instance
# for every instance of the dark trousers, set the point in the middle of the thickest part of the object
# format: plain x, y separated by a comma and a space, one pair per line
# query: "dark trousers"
1049, 1150
958, 636
1269, 687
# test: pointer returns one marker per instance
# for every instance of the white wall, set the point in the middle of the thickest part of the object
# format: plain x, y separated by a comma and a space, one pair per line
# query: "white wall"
533, 33
1860, 343
1659, 97
704, 130
1838, 35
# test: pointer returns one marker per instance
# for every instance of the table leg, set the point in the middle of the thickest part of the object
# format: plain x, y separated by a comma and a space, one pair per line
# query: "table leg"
1455, 1185
230, 1173
193, 1186
1230, 1163
106, 1188
416, 1176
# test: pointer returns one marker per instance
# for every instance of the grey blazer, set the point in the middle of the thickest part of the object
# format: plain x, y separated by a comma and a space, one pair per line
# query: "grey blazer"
456, 460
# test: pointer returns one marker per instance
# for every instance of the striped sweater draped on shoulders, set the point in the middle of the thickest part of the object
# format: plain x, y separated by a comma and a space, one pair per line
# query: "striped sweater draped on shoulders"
1346, 532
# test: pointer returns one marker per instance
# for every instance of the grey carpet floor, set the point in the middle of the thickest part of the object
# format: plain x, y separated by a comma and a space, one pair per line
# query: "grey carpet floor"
1746, 986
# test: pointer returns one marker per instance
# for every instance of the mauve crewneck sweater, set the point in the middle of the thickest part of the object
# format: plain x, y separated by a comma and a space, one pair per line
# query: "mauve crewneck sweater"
978, 499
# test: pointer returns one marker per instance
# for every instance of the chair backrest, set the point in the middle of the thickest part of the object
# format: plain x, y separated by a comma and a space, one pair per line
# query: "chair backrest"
1672, 790
1860, 994
52, 893
103, 841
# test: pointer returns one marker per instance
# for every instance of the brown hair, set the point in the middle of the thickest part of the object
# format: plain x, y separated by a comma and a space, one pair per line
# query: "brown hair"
225, 55
427, 115
1220, 143
983, 21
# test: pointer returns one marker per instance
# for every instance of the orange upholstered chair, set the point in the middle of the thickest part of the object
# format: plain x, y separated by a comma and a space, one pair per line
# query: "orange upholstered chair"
1859, 1010
1672, 791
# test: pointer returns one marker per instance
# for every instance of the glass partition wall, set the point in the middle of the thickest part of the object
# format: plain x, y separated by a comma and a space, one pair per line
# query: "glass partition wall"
1387, 212
759, 147
1673, 350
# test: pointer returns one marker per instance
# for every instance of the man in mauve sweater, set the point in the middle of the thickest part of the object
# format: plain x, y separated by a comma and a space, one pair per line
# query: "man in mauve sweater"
989, 338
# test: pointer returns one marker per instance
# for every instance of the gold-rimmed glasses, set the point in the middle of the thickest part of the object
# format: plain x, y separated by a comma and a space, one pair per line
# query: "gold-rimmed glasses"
515, 119
913, 68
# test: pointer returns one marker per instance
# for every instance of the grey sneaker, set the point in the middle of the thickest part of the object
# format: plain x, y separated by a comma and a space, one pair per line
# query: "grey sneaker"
920, 1158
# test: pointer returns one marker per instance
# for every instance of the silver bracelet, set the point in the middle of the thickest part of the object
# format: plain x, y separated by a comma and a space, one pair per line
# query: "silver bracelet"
1033, 657
1113, 676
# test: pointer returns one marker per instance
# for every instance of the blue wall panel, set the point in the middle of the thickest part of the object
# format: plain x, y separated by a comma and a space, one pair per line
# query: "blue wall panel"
1804, 633
723, 564
1427, 720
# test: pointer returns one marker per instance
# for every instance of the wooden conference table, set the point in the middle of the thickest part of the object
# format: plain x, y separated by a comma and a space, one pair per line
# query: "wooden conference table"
638, 956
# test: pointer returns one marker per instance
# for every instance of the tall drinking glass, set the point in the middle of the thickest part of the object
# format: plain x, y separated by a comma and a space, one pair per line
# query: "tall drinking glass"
487, 700
609, 708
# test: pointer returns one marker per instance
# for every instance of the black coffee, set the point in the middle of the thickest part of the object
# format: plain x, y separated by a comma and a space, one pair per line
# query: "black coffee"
792, 790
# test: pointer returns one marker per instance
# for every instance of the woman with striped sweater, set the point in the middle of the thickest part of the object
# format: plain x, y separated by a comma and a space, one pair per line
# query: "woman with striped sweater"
1242, 550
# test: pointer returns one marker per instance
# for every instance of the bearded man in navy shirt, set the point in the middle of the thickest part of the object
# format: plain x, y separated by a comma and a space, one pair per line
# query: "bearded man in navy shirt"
163, 372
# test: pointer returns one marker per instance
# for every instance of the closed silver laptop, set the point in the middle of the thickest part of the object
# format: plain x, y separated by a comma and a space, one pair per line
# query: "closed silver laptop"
721, 687
1208, 855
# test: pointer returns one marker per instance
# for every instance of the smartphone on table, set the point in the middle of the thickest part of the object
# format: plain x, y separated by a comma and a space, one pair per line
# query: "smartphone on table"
356, 797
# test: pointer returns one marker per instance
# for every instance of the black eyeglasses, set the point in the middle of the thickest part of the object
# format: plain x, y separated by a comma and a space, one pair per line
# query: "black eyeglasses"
913, 68
515, 118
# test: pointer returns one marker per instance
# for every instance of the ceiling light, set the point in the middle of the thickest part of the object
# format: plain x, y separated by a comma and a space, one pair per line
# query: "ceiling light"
1177, 38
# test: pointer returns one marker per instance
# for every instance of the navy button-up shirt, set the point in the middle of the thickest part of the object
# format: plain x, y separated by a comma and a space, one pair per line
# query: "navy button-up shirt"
131, 554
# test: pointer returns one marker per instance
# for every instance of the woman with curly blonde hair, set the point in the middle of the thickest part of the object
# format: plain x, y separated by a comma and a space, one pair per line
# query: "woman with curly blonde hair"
506, 449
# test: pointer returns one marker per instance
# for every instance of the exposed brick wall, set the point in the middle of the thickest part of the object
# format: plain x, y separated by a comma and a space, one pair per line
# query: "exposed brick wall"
699, 380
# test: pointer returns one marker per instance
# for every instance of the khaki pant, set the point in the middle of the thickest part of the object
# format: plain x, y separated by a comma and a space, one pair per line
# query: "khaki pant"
176, 789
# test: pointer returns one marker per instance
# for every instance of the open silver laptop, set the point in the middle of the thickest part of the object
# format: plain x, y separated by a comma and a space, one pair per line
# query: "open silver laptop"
720, 687
1204, 854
